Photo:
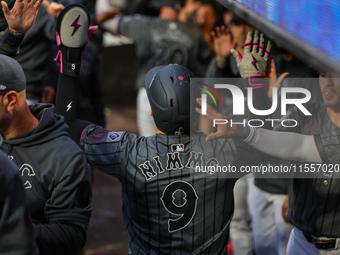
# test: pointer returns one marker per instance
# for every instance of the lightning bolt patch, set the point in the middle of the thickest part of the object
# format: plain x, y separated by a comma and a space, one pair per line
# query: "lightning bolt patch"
69, 106
254, 62
75, 25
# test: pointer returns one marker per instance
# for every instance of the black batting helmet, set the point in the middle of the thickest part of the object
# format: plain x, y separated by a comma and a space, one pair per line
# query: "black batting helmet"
168, 90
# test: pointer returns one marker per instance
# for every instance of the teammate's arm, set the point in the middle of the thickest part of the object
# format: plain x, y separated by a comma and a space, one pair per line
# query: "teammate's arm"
68, 210
68, 106
285, 145
70, 57
94, 140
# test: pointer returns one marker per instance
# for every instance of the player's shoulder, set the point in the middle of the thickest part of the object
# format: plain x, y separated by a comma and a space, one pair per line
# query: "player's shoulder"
300, 112
97, 135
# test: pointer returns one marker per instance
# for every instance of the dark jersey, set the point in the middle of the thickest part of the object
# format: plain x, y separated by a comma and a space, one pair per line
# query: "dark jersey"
313, 203
168, 208
9, 44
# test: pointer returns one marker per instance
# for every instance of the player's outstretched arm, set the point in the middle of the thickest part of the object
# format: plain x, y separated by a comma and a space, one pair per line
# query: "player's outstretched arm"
72, 35
285, 145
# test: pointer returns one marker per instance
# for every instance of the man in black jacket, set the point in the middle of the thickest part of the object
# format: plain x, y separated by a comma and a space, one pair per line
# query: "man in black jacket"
54, 171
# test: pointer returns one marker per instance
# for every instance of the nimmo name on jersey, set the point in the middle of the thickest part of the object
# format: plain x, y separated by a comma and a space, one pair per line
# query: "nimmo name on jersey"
151, 168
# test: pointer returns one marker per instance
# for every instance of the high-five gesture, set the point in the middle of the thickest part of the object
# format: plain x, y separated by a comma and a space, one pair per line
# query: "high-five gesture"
254, 61
22, 16
274, 82
223, 130
223, 43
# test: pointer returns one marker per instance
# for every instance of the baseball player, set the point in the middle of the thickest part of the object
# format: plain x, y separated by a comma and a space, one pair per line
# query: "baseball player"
311, 208
54, 171
167, 209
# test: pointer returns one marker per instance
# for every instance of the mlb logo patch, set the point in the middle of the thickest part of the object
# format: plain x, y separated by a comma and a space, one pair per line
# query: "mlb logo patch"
114, 136
177, 147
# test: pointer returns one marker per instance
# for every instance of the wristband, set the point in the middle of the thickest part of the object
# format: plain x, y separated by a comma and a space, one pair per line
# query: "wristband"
246, 132
15, 33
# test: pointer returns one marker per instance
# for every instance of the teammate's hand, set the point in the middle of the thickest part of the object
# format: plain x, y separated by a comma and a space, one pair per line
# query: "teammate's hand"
284, 210
109, 14
255, 58
223, 43
223, 130
54, 8
22, 16
274, 82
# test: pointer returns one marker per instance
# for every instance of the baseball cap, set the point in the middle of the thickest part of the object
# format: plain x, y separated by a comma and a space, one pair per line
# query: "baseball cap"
175, 4
12, 76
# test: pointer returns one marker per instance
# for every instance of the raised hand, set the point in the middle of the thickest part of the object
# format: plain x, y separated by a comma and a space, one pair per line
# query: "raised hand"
54, 8
255, 58
109, 14
223, 130
22, 16
223, 43
274, 82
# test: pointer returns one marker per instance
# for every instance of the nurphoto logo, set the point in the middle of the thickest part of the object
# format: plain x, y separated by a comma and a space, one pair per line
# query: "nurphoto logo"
238, 105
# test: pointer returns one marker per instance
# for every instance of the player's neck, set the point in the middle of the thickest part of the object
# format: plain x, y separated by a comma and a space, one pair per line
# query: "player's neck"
21, 124
334, 115
157, 131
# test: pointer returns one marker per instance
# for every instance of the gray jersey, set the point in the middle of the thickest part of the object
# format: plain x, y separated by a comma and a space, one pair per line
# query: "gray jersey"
313, 203
167, 209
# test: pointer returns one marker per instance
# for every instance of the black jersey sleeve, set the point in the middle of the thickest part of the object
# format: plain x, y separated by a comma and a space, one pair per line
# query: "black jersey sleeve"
9, 44
67, 105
